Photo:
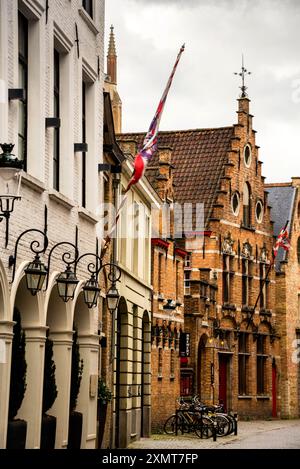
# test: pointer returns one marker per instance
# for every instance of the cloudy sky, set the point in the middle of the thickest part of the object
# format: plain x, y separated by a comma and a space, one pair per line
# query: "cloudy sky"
149, 34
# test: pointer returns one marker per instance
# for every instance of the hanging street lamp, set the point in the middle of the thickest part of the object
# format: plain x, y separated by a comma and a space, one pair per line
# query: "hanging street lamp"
10, 182
36, 273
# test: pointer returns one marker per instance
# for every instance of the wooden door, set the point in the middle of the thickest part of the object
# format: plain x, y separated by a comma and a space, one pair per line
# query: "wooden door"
223, 370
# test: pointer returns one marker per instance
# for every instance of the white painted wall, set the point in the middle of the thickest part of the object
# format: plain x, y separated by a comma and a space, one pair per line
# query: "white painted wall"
64, 210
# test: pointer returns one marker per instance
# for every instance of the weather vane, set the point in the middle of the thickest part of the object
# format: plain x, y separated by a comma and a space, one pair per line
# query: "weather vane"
242, 74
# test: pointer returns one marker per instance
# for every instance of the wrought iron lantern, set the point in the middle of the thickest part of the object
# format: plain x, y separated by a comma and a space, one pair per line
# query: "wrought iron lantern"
36, 273
91, 292
10, 181
66, 284
112, 297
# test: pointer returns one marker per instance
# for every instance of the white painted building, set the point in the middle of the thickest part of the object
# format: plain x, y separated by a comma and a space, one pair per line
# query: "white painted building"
53, 51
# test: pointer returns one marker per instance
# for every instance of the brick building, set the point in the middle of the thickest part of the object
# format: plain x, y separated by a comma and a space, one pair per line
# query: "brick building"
285, 202
167, 264
226, 265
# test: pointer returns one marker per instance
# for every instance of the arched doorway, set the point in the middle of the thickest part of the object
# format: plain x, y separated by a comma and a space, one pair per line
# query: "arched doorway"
203, 371
85, 322
32, 324
146, 376
59, 321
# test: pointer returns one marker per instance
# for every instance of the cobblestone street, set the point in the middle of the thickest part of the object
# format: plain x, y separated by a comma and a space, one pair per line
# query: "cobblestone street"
275, 434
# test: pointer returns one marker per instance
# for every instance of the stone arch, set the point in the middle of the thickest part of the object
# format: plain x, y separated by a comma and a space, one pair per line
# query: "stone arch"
203, 371
146, 375
31, 311
86, 322
58, 318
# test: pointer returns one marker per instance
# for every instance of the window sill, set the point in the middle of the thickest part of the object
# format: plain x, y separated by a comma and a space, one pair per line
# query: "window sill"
247, 309
248, 228
265, 312
33, 183
245, 397
61, 199
87, 215
88, 20
228, 306
263, 397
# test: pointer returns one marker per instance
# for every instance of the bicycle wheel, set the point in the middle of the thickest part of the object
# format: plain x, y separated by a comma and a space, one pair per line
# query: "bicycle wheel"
223, 425
204, 428
170, 425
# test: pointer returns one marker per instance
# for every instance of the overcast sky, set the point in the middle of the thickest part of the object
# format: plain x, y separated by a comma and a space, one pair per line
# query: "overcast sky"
149, 34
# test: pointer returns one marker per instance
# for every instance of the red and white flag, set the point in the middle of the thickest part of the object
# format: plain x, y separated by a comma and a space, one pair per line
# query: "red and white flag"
282, 241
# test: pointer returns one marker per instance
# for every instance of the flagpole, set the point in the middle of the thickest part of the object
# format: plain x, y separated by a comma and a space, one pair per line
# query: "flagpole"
264, 281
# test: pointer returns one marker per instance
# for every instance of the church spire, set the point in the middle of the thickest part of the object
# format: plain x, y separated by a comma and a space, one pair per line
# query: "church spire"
112, 57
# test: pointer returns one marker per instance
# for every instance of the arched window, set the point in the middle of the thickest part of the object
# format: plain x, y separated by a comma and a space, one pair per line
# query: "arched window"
246, 205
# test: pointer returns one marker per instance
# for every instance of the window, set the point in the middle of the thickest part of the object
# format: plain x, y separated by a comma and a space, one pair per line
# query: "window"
23, 83
212, 294
160, 362
226, 278
203, 290
147, 249
247, 155
235, 203
259, 211
172, 364
246, 205
261, 361
135, 250
83, 171
88, 6
246, 281
56, 105
188, 260
263, 286
160, 272
177, 279
187, 283
243, 363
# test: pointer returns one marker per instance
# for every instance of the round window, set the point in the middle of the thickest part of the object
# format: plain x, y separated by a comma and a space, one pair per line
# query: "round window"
247, 155
259, 211
235, 203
